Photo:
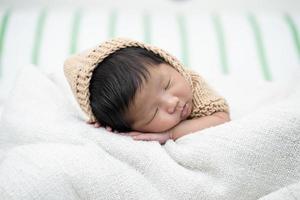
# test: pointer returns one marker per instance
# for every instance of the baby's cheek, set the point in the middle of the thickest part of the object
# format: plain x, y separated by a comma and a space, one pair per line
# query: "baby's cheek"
165, 123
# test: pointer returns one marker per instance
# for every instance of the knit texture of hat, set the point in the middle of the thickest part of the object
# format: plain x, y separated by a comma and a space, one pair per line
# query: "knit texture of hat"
79, 68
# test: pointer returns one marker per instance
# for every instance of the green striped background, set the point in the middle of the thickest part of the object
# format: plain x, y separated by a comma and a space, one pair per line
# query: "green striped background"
183, 42
3, 27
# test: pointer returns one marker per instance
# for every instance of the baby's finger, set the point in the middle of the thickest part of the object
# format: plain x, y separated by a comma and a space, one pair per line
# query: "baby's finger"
143, 137
97, 125
134, 133
108, 128
146, 137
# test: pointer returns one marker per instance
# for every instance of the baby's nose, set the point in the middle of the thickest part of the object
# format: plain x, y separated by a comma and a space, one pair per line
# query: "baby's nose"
174, 105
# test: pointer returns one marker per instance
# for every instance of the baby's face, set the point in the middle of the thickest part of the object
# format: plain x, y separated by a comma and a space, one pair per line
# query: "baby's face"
158, 106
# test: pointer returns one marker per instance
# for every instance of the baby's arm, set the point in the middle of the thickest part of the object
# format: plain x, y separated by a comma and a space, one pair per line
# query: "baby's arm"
193, 125
183, 128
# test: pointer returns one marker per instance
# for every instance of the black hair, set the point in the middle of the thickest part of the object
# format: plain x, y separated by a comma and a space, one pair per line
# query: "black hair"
115, 82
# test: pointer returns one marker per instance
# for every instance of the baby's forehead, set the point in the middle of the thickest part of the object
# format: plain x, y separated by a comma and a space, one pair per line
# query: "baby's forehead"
157, 77
146, 87
158, 69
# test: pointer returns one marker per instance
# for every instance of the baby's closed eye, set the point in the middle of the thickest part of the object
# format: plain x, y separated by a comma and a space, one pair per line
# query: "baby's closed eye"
168, 85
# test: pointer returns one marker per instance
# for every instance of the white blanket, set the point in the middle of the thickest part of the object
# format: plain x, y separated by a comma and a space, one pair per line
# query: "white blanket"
47, 151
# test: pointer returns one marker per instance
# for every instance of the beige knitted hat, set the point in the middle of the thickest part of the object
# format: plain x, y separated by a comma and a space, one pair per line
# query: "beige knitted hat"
79, 68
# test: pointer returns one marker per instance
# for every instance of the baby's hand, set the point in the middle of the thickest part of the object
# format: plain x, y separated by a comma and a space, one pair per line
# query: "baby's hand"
160, 137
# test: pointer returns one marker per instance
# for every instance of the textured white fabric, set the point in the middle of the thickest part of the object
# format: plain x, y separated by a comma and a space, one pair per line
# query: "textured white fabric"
47, 151
290, 192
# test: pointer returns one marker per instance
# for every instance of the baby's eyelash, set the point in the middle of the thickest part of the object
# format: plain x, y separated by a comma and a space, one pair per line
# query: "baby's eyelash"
168, 84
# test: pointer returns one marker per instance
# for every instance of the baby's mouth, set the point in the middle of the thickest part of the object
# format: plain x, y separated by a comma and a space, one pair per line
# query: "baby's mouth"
185, 110
180, 108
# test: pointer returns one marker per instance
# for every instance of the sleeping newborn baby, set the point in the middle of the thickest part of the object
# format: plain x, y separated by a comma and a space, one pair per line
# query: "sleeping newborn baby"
140, 90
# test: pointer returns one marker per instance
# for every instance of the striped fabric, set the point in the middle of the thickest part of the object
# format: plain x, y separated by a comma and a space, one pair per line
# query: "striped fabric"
248, 45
